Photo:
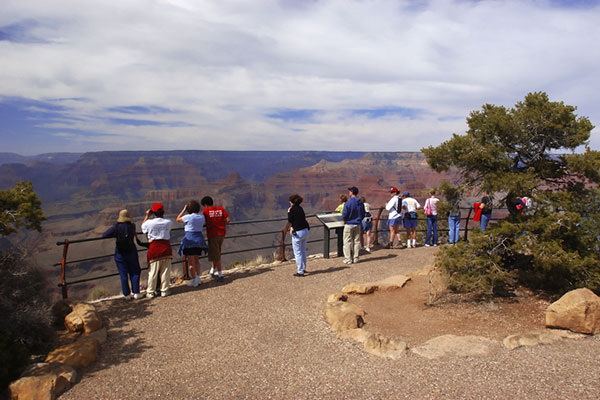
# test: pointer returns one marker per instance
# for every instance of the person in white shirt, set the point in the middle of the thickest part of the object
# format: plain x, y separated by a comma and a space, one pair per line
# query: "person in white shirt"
395, 216
410, 207
158, 230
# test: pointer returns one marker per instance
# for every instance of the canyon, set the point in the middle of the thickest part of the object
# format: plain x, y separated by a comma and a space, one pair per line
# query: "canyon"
82, 193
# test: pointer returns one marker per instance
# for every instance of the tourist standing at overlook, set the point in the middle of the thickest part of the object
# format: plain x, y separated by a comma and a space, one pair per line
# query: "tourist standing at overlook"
353, 214
158, 230
216, 228
410, 206
126, 255
432, 219
454, 222
395, 216
486, 212
343, 200
366, 226
192, 244
299, 230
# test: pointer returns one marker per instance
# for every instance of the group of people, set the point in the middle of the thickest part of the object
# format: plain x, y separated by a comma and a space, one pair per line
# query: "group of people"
157, 228
358, 223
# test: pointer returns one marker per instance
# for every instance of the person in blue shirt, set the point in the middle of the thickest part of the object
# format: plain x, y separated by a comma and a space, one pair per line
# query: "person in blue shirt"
353, 214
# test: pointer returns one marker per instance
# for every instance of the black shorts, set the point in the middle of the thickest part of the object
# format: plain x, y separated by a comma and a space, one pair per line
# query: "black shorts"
193, 251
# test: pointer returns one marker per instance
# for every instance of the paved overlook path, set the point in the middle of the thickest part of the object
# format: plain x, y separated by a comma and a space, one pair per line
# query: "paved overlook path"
261, 335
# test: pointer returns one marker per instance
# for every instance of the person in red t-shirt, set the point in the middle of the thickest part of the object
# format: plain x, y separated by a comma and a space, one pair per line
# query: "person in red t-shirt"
216, 223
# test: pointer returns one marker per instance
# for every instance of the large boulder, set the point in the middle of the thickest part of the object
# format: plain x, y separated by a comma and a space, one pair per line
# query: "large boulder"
577, 311
78, 354
43, 381
83, 318
343, 316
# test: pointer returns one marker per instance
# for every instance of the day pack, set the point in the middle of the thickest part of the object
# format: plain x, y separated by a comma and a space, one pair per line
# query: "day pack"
124, 241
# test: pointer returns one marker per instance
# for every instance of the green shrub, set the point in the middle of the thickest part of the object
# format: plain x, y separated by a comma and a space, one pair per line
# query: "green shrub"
26, 325
98, 293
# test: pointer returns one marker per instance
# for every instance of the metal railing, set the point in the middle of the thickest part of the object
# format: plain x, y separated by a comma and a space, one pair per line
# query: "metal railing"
281, 246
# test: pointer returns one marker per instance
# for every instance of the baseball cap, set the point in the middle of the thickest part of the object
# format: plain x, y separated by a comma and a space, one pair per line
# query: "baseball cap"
405, 193
156, 207
394, 189
354, 190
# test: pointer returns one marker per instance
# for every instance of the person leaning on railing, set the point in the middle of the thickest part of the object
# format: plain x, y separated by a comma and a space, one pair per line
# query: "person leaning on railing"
158, 230
126, 256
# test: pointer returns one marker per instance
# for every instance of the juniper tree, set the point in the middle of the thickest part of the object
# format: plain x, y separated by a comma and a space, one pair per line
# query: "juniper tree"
538, 149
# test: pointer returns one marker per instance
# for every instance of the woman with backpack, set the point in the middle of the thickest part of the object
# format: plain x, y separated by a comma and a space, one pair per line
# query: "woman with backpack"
126, 256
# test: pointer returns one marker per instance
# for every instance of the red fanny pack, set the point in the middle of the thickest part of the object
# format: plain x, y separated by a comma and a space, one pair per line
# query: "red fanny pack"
160, 248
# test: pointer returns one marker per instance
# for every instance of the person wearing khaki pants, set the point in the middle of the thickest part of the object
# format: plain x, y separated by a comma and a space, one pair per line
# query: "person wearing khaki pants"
158, 230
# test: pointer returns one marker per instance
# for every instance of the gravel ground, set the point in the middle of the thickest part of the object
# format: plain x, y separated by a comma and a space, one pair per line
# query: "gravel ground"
261, 335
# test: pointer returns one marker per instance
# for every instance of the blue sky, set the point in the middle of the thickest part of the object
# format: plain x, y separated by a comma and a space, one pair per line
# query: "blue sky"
370, 75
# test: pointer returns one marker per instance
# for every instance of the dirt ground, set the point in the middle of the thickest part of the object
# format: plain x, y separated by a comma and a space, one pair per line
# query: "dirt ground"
403, 314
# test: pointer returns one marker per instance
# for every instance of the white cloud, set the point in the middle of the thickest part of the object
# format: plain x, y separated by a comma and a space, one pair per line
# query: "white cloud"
223, 66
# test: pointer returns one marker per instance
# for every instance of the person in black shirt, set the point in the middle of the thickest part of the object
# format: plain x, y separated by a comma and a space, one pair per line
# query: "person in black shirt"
299, 230
126, 256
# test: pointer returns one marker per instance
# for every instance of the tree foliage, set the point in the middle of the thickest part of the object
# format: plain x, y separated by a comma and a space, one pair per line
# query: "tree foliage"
20, 207
528, 150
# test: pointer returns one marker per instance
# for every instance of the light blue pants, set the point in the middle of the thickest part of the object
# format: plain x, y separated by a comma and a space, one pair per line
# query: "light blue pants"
299, 246
454, 229
485, 219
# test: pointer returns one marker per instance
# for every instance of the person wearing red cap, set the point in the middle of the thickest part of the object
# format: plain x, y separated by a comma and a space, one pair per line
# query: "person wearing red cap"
158, 230
394, 206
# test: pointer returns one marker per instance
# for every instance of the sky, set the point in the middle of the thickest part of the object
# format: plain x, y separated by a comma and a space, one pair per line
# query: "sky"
341, 75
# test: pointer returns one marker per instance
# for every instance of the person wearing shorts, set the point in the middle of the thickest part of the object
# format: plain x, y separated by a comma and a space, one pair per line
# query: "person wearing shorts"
216, 227
395, 216
193, 244
410, 206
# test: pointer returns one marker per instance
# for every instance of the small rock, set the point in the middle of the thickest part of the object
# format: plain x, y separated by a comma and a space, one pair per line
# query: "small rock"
337, 297
83, 318
382, 346
343, 316
451, 345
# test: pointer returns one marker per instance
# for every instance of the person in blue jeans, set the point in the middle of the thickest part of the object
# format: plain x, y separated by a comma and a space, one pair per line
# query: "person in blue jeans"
299, 230
432, 219
126, 255
454, 224
486, 212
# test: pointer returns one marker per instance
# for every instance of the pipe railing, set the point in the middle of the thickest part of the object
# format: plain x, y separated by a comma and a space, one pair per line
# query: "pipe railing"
66, 243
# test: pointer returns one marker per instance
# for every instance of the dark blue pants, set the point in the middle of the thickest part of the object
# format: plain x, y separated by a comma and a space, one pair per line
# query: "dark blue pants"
128, 265
432, 228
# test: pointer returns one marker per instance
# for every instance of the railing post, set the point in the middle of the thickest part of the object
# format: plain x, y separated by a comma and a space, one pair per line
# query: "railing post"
376, 227
63, 270
467, 224
282, 246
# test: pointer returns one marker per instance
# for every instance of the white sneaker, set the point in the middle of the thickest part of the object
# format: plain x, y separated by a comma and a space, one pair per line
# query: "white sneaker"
137, 296
164, 294
426, 245
346, 261
368, 250
150, 295
128, 297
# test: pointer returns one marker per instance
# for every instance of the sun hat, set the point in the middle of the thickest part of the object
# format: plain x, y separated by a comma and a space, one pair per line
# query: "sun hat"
124, 216
156, 207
